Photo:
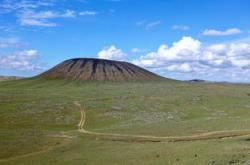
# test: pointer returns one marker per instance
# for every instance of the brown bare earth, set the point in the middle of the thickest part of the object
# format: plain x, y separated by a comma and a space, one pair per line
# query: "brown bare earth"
88, 69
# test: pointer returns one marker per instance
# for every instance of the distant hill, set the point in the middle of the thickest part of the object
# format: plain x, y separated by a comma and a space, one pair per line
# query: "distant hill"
90, 69
8, 78
197, 81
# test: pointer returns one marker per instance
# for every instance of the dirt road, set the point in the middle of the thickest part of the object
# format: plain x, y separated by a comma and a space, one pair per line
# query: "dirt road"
148, 138
134, 138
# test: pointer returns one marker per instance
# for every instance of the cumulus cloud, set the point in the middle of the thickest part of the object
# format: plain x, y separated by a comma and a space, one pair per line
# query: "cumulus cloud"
14, 55
180, 27
185, 67
213, 32
185, 49
20, 60
190, 55
112, 53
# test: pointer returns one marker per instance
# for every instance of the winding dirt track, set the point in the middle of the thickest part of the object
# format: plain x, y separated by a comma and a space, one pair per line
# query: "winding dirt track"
148, 138
137, 138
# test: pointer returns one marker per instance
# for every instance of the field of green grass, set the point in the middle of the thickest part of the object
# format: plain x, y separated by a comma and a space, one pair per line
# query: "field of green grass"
38, 122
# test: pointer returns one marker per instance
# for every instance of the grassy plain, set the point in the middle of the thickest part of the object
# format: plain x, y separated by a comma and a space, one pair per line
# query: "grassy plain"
38, 122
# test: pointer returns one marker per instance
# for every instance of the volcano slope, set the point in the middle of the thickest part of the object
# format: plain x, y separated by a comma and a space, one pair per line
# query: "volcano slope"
89, 69
39, 122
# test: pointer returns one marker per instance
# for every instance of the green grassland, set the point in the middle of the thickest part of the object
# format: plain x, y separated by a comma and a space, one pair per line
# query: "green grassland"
38, 122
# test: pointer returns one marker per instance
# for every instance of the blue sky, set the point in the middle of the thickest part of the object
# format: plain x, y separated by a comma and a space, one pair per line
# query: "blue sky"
181, 39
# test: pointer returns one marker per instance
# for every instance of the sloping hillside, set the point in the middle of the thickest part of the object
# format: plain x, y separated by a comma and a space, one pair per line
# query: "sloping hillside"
85, 69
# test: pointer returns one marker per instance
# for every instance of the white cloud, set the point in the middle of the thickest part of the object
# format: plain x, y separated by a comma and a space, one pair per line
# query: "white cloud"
185, 49
180, 27
193, 58
40, 12
112, 53
6, 28
152, 24
139, 23
21, 60
14, 56
9, 43
11, 5
213, 32
138, 50
239, 54
34, 22
67, 14
32, 18
148, 25
185, 67
28, 54
88, 13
